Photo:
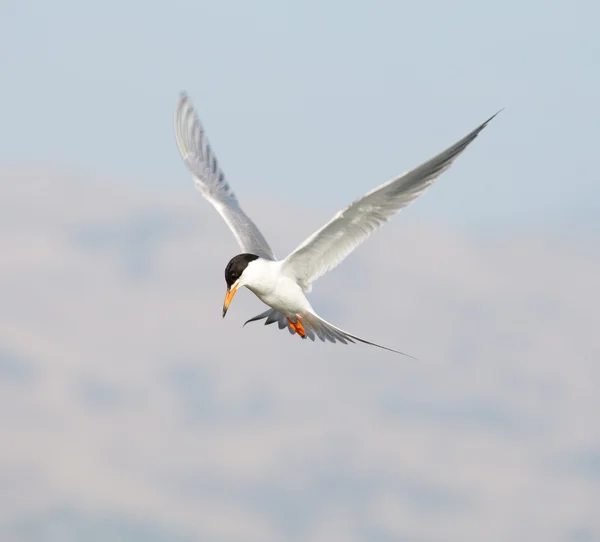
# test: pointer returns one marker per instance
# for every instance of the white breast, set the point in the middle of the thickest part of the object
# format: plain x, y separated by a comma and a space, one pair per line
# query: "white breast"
265, 279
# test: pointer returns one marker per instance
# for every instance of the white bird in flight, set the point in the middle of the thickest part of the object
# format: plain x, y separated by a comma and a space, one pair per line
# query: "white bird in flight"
282, 284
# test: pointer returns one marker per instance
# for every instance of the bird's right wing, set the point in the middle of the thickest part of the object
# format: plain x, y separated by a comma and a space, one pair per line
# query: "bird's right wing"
327, 247
210, 180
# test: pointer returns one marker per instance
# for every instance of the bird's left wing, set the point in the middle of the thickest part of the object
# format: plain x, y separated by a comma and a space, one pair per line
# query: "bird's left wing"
327, 247
210, 180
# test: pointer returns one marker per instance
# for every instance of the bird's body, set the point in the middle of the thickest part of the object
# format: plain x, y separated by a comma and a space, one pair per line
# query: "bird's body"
274, 287
282, 284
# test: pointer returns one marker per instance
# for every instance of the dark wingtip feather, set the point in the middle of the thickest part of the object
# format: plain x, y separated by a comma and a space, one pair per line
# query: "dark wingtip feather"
492, 117
258, 317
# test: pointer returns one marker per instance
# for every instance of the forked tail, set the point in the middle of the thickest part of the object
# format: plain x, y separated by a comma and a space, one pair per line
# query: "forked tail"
314, 326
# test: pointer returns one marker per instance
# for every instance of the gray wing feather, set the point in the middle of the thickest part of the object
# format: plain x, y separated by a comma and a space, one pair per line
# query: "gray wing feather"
200, 159
327, 247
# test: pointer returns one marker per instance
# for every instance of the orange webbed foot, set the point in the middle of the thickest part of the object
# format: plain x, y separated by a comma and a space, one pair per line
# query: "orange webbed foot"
297, 327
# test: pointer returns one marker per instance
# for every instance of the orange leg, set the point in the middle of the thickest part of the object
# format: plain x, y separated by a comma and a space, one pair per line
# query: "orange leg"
297, 327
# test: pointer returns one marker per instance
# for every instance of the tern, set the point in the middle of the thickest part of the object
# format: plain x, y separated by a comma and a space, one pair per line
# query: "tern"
282, 284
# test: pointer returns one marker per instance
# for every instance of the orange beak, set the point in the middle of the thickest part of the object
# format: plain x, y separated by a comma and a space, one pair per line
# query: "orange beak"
228, 297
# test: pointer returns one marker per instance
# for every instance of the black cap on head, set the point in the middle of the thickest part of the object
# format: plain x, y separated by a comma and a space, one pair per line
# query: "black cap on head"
236, 267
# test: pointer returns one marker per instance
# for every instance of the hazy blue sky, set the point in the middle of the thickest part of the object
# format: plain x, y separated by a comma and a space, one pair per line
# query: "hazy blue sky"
310, 97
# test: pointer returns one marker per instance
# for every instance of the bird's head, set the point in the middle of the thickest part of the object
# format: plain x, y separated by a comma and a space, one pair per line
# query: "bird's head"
234, 276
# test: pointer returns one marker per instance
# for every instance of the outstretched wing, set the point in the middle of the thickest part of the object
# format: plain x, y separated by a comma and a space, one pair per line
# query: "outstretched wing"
327, 247
210, 180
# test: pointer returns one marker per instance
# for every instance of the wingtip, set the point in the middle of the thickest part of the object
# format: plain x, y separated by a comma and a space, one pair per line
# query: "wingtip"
183, 102
494, 116
183, 99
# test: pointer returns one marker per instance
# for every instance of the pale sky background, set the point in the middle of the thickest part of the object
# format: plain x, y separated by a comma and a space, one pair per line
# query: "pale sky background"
130, 411
331, 98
